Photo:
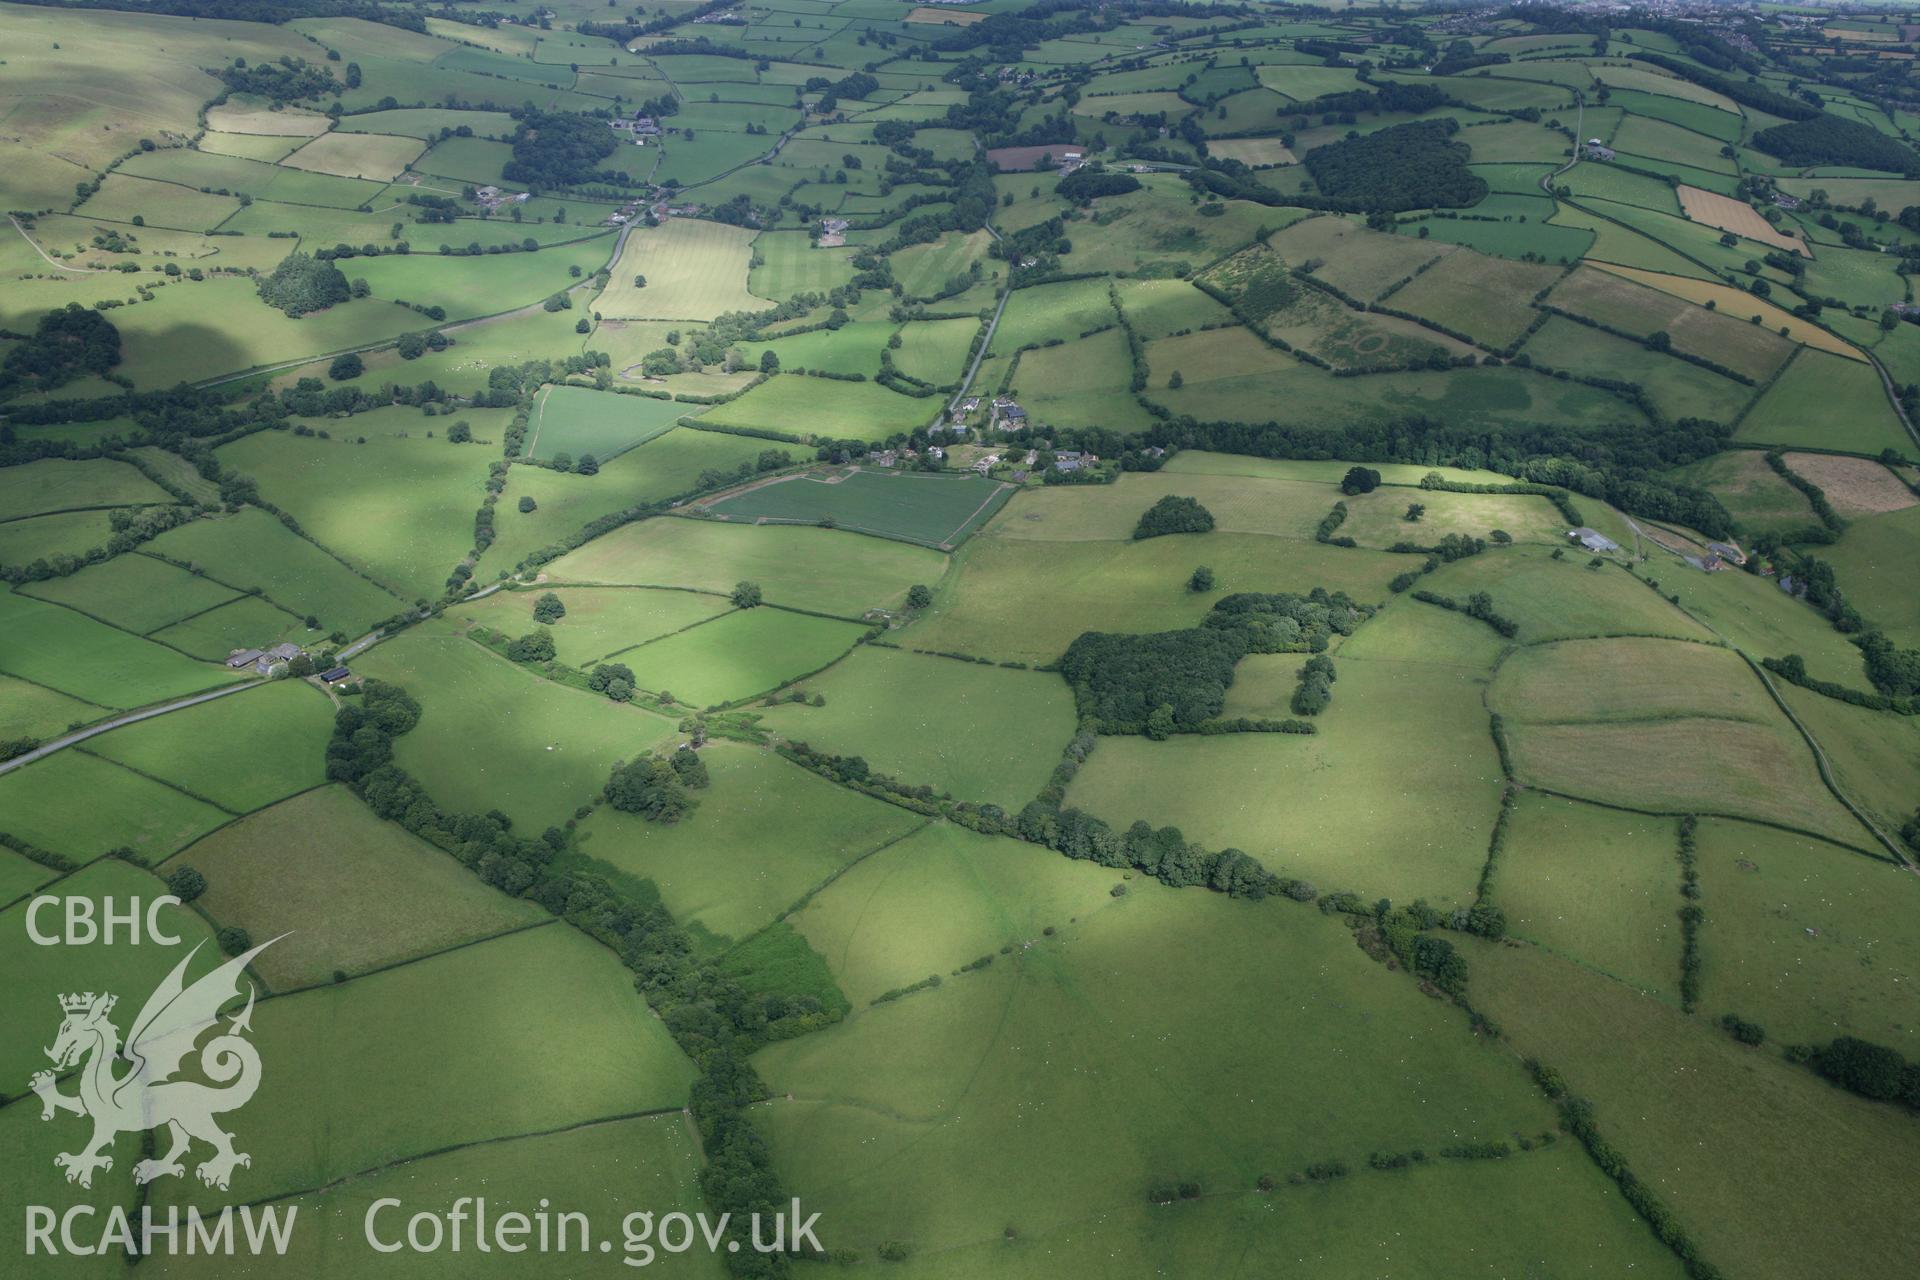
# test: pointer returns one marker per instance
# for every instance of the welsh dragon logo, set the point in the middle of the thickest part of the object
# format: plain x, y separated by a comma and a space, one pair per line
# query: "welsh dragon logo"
148, 1095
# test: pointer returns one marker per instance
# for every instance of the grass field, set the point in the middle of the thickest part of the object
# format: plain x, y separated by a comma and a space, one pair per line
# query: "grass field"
1823, 401
576, 421
940, 898
1870, 558
1393, 756
1487, 298
399, 507
694, 271
600, 1170
1683, 765
1806, 939
921, 1074
563, 745
82, 806
1750, 490
242, 752
1726, 1131
665, 467
739, 655
57, 484
135, 593
72, 533
982, 733
29, 710
1621, 304
1010, 600
1051, 311
378, 156
820, 569
934, 511
790, 264
1740, 305
350, 892
1562, 857
1627, 679
1378, 519
1679, 389
764, 834
85, 659
252, 549
600, 621
1288, 508
1564, 599
36, 973
569, 1041
1354, 260
826, 408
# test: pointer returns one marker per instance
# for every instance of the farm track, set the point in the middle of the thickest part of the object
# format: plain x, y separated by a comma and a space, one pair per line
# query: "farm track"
1821, 763
51, 261
46, 749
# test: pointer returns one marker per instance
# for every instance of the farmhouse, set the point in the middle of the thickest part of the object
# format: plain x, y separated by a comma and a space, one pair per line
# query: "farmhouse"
263, 661
1592, 539
1598, 150
833, 233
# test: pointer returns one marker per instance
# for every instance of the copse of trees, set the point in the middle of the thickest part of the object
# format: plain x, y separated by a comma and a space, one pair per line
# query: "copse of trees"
1406, 166
1173, 514
1082, 184
1315, 688
1830, 140
303, 284
288, 80
1359, 480
650, 787
549, 608
67, 343
1176, 681
561, 149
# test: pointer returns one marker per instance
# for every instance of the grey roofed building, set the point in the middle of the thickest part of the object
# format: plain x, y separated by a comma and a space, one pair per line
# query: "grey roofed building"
336, 675
244, 657
284, 652
1592, 539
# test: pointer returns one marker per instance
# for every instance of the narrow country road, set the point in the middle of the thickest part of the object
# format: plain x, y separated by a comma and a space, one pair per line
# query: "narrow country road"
46, 749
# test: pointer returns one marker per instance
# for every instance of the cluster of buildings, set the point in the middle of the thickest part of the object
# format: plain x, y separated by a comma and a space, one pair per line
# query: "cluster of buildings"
639, 128
273, 661
833, 233
495, 199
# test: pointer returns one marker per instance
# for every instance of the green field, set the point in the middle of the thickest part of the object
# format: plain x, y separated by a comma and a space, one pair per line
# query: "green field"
1394, 754
600, 622
38, 972
820, 569
1560, 856
667, 466
982, 733
694, 271
81, 806
765, 833
1012, 601
827, 408
1727, 1128
134, 593
739, 655
576, 421
934, 511
93, 661
1823, 401
573, 1043
344, 887
346, 494
242, 752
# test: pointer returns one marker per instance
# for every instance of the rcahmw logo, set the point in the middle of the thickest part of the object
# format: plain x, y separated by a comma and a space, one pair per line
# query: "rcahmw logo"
130, 1087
